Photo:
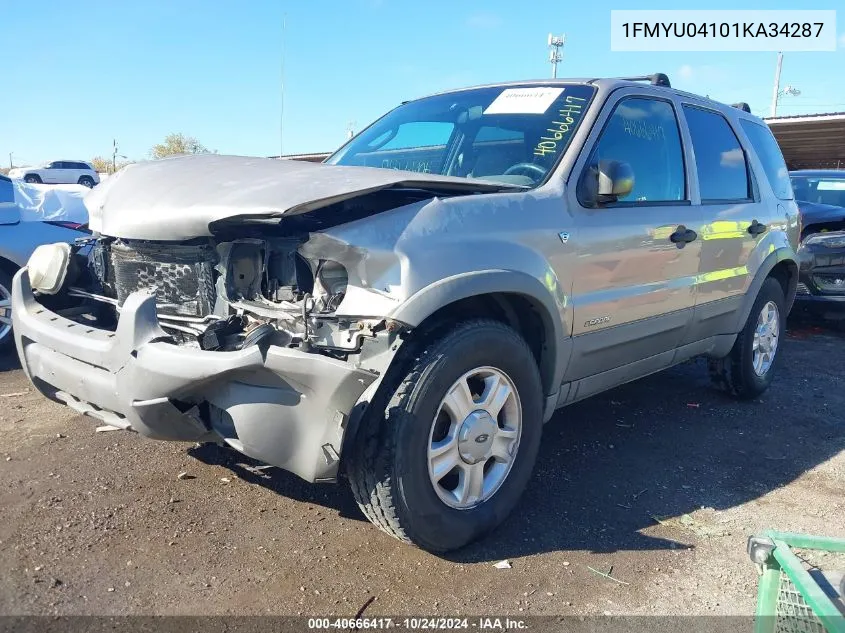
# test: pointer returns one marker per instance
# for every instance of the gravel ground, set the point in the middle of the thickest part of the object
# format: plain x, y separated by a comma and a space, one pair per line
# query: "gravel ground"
657, 483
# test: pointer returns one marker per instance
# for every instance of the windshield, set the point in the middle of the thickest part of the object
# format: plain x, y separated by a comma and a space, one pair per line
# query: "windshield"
513, 135
826, 190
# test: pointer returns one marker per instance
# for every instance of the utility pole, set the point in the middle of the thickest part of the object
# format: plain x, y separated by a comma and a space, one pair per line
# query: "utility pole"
282, 106
114, 156
555, 55
11, 166
776, 89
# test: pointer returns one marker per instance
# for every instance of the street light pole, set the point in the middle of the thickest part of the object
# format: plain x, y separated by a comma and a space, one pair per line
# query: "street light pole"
11, 166
776, 89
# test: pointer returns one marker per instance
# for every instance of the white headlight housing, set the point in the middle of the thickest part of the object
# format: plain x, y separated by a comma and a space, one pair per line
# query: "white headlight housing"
832, 239
48, 267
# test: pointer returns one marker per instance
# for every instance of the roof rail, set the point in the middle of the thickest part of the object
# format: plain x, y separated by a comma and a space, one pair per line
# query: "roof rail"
657, 79
742, 106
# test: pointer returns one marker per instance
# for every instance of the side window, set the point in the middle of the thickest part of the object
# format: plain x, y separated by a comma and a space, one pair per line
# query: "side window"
720, 161
768, 151
81, 166
57, 164
644, 133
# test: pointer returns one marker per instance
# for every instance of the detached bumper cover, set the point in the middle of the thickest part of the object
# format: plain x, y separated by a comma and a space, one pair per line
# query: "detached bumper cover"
818, 266
286, 408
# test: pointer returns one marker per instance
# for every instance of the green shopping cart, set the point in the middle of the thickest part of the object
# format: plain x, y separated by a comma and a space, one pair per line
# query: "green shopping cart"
795, 595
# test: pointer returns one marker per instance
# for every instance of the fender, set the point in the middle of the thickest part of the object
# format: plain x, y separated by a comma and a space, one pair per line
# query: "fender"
782, 254
549, 303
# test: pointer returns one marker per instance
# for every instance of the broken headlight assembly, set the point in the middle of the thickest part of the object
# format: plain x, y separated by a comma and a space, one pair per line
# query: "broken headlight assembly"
330, 284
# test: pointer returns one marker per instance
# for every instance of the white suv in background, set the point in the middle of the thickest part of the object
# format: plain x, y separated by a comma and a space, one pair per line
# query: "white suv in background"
59, 172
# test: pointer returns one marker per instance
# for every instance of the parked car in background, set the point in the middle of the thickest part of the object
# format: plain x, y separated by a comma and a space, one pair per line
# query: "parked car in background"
59, 172
20, 234
821, 201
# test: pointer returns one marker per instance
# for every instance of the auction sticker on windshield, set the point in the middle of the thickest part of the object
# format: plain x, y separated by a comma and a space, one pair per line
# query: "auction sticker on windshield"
524, 101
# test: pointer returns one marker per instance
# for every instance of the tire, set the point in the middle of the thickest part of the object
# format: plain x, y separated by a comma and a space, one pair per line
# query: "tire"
736, 372
7, 339
389, 467
32, 178
86, 181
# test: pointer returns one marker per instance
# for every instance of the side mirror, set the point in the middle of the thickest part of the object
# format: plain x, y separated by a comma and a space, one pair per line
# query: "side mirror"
616, 180
606, 182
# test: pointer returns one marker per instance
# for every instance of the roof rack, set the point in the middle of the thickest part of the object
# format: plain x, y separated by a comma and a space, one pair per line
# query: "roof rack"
742, 106
657, 79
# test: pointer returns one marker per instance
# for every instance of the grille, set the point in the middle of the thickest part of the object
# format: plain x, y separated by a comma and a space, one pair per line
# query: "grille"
182, 275
802, 289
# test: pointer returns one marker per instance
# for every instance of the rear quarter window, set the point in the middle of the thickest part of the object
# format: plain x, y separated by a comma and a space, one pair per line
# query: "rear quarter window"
768, 151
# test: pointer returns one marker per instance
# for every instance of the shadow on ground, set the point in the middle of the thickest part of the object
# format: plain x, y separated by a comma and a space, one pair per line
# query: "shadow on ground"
663, 446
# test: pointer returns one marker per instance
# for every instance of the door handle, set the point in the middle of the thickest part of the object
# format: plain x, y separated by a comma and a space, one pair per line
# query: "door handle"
682, 236
756, 228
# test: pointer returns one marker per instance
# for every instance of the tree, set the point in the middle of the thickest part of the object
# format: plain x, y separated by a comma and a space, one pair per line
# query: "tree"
175, 144
104, 165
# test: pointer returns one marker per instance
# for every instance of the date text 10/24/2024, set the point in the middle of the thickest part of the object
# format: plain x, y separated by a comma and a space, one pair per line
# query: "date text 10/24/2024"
418, 624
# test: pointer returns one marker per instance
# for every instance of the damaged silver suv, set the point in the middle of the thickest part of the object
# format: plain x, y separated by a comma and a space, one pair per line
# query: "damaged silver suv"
411, 312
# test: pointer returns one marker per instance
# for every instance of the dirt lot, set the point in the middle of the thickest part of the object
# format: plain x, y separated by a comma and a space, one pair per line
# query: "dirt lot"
99, 523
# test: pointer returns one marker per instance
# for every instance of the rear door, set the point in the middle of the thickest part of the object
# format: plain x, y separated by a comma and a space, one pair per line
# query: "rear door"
74, 171
727, 196
634, 288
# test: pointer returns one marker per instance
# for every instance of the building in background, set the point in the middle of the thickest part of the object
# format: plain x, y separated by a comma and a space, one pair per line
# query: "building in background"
811, 141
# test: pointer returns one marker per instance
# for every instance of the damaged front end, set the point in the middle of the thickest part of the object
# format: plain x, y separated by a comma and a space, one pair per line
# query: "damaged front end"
238, 309
229, 340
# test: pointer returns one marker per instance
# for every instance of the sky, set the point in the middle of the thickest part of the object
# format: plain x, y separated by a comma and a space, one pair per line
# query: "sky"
260, 77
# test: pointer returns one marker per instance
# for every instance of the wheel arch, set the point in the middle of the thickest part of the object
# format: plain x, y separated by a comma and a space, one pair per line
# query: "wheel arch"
515, 298
781, 265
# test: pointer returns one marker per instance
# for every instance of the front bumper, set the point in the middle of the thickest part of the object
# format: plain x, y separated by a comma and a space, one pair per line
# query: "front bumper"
285, 407
817, 265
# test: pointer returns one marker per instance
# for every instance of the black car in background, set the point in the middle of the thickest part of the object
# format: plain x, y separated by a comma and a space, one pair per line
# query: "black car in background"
821, 199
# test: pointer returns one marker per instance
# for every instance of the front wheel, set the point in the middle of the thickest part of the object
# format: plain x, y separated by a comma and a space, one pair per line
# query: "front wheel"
449, 458
7, 340
750, 367
32, 179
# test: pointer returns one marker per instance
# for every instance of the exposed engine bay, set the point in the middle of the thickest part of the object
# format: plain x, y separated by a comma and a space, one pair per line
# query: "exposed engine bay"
224, 295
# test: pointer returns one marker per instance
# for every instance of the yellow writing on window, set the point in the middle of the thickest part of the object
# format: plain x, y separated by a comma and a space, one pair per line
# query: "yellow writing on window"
565, 120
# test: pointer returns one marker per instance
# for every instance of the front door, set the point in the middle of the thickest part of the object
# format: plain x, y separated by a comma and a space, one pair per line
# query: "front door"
637, 259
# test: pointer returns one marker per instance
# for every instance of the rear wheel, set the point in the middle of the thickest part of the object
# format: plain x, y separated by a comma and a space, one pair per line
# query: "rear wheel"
448, 459
86, 181
749, 368
32, 178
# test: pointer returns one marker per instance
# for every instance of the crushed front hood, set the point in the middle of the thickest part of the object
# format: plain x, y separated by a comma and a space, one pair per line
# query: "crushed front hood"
178, 198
